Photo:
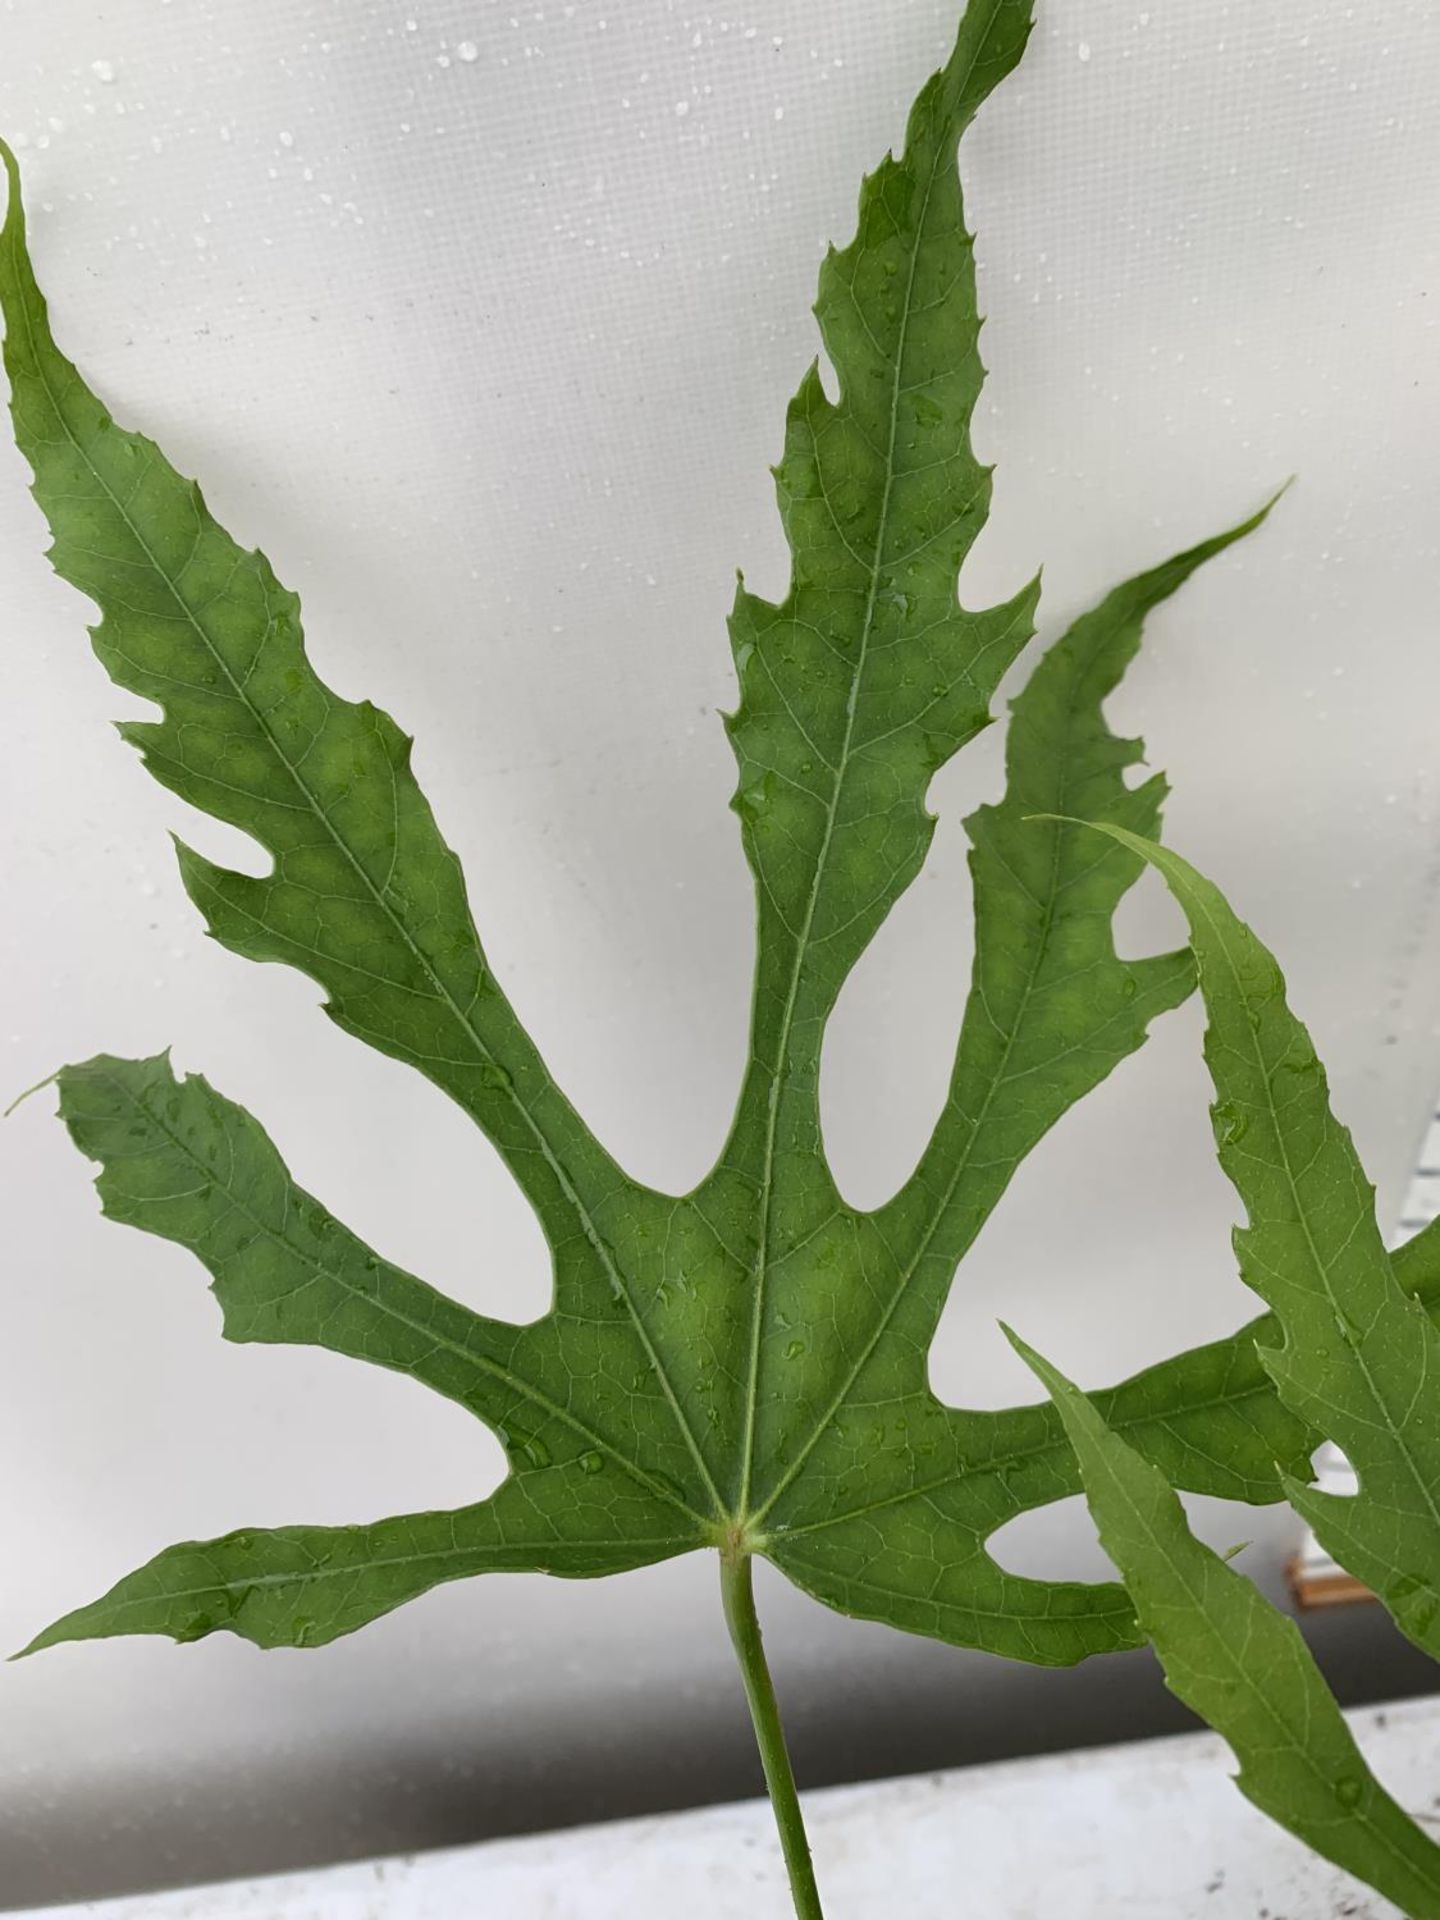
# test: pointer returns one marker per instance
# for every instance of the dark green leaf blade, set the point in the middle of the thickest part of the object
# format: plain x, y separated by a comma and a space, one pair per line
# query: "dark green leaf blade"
1052, 1008
365, 896
1243, 1666
1359, 1360
1052, 1011
868, 675
858, 685
306, 1586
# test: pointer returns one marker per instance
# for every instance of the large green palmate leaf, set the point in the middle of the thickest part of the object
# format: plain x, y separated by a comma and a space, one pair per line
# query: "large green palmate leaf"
1352, 1352
1243, 1666
743, 1366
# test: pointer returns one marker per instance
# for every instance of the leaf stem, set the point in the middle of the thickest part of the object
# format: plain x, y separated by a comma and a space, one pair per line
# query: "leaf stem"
738, 1593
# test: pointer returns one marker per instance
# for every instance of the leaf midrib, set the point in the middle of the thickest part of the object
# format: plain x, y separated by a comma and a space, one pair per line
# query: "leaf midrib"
952, 1187
349, 1569
802, 943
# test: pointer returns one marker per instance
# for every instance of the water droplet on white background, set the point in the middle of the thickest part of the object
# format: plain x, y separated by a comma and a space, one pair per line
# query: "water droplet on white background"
682, 107
1083, 50
468, 51
103, 70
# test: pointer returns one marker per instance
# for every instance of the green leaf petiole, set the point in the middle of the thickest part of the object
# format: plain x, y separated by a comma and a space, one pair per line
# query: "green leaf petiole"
737, 1591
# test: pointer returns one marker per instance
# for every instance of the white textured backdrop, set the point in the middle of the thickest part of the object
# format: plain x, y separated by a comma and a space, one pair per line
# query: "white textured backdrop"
481, 323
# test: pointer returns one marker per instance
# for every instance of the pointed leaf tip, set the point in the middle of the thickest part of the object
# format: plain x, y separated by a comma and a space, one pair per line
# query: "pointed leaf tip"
1049, 1376
14, 208
39, 1087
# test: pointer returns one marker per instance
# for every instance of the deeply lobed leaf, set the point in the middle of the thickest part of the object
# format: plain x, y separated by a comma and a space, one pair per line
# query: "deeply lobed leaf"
748, 1363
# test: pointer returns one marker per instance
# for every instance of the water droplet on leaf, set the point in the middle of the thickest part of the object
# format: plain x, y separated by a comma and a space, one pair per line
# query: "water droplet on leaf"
532, 1450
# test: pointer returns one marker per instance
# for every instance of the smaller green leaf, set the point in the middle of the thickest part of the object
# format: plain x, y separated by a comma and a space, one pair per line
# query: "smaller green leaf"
1242, 1665
1360, 1359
